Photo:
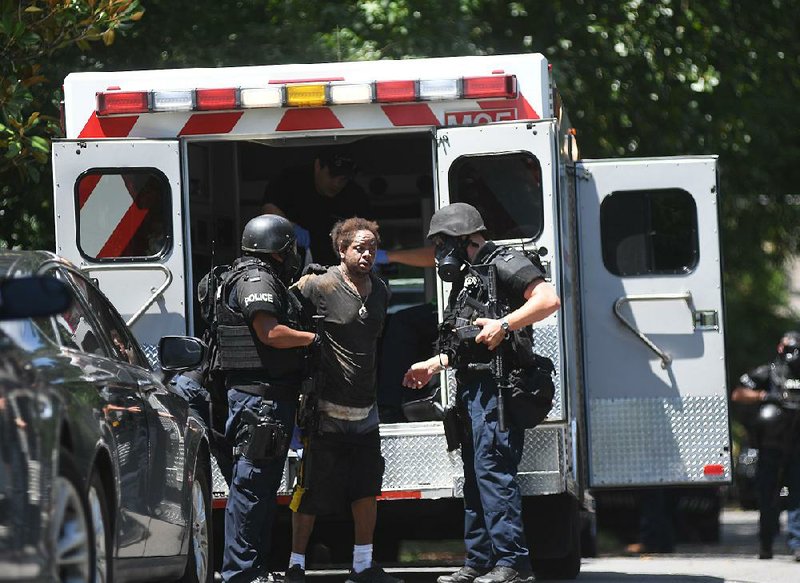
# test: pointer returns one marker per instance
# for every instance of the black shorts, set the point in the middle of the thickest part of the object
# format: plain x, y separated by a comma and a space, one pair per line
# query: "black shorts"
338, 469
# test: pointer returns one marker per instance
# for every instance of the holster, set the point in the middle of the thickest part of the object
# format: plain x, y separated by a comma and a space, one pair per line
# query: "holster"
261, 437
456, 428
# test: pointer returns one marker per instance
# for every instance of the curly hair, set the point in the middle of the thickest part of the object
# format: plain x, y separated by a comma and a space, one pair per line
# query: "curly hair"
344, 232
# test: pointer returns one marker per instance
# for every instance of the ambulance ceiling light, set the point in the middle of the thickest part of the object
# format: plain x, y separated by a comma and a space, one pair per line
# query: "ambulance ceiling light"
496, 86
115, 102
215, 99
438, 89
262, 97
395, 91
122, 102
313, 95
350, 93
173, 100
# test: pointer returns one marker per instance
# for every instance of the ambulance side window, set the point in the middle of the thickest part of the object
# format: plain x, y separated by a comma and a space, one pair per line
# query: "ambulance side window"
649, 232
505, 188
123, 213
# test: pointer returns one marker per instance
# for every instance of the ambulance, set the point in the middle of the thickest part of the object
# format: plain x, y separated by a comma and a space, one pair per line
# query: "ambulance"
159, 171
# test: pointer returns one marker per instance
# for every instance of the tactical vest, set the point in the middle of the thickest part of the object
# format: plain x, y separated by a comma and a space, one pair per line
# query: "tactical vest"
460, 312
239, 348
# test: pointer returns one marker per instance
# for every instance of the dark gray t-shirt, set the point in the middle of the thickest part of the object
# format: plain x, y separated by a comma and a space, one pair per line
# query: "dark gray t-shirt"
349, 347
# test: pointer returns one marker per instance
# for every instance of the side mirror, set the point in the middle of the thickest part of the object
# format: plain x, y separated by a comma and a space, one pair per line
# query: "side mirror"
179, 353
33, 297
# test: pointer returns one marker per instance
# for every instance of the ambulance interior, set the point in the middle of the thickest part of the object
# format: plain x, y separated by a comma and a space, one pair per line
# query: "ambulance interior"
228, 179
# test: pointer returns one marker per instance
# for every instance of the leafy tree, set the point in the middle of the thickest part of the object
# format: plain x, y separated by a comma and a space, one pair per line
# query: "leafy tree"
31, 33
640, 78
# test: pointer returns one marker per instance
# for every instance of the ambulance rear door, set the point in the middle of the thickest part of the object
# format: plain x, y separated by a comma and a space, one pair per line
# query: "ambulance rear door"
651, 298
119, 217
506, 170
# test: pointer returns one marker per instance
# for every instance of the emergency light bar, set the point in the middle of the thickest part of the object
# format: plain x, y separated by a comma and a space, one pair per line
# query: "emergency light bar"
115, 102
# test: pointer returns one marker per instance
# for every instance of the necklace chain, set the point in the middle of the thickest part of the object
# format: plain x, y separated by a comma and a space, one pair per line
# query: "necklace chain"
362, 311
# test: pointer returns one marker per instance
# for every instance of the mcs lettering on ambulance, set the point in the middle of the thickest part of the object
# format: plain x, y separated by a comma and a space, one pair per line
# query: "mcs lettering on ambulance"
483, 116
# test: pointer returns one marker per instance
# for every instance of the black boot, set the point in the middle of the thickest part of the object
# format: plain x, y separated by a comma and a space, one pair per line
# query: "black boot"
464, 575
765, 552
502, 574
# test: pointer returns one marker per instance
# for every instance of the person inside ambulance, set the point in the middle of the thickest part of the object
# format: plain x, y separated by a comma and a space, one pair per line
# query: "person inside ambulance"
775, 388
314, 197
261, 347
496, 549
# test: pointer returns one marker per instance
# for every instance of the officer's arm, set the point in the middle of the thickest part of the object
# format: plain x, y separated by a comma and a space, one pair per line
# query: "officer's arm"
747, 395
541, 300
277, 335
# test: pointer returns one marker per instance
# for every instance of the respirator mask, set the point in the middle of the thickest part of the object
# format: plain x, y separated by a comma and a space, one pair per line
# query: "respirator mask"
451, 258
791, 356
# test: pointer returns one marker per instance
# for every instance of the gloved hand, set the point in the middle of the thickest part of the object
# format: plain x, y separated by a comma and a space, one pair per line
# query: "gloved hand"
315, 269
303, 236
381, 257
773, 398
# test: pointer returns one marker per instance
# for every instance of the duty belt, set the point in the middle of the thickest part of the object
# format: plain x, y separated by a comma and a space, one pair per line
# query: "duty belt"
267, 391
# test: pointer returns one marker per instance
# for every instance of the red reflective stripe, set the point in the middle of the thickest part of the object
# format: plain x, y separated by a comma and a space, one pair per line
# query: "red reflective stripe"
86, 186
283, 500
108, 127
400, 495
210, 123
218, 503
412, 114
524, 109
312, 118
124, 232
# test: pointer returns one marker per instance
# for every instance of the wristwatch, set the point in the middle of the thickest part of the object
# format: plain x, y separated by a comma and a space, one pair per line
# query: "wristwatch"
504, 326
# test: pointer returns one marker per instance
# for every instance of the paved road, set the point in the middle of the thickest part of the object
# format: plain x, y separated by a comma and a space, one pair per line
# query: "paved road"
733, 560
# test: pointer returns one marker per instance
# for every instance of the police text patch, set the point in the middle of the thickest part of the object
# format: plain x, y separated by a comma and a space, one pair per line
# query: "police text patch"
262, 297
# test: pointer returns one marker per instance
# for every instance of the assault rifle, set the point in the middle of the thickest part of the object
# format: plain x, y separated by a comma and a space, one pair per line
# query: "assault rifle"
464, 331
307, 417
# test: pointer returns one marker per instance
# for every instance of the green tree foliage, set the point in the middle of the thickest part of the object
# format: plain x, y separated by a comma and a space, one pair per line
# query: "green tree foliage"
639, 77
31, 33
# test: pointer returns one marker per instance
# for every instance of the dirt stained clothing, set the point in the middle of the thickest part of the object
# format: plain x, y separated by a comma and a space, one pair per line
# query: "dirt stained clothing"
349, 347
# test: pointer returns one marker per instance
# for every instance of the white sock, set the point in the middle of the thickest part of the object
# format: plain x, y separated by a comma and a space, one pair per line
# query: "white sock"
362, 557
298, 559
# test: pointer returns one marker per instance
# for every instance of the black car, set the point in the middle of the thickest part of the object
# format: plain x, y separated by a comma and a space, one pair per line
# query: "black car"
104, 472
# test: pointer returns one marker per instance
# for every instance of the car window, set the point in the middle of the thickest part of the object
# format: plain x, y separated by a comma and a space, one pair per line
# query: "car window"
123, 345
75, 327
29, 333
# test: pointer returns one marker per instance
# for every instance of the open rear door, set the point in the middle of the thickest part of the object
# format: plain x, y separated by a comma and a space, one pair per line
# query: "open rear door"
652, 322
506, 172
119, 217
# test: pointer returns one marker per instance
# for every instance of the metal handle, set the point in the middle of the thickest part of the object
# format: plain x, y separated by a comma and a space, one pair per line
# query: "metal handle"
666, 359
155, 292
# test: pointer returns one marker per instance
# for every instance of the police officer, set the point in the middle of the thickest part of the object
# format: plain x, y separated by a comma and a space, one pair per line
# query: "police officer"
261, 352
775, 387
496, 550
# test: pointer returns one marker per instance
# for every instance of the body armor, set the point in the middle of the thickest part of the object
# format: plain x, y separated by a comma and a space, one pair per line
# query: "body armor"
239, 347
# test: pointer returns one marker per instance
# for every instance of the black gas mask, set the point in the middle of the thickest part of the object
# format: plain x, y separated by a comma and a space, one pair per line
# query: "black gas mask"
291, 263
451, 258
791, 356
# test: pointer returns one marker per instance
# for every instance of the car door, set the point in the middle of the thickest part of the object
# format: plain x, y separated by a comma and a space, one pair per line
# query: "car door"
119, 406
165, 414
653, 341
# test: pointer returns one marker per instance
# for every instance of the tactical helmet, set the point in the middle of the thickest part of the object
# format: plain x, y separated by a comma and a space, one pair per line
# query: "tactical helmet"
267, 234
790, 349
456, 219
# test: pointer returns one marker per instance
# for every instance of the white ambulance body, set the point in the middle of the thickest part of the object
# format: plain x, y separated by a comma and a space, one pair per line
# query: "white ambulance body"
161, 169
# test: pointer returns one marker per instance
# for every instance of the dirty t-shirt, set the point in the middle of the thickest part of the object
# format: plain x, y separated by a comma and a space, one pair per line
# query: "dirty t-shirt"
350, 341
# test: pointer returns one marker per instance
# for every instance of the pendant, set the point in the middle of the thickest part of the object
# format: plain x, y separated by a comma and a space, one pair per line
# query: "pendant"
362, 312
